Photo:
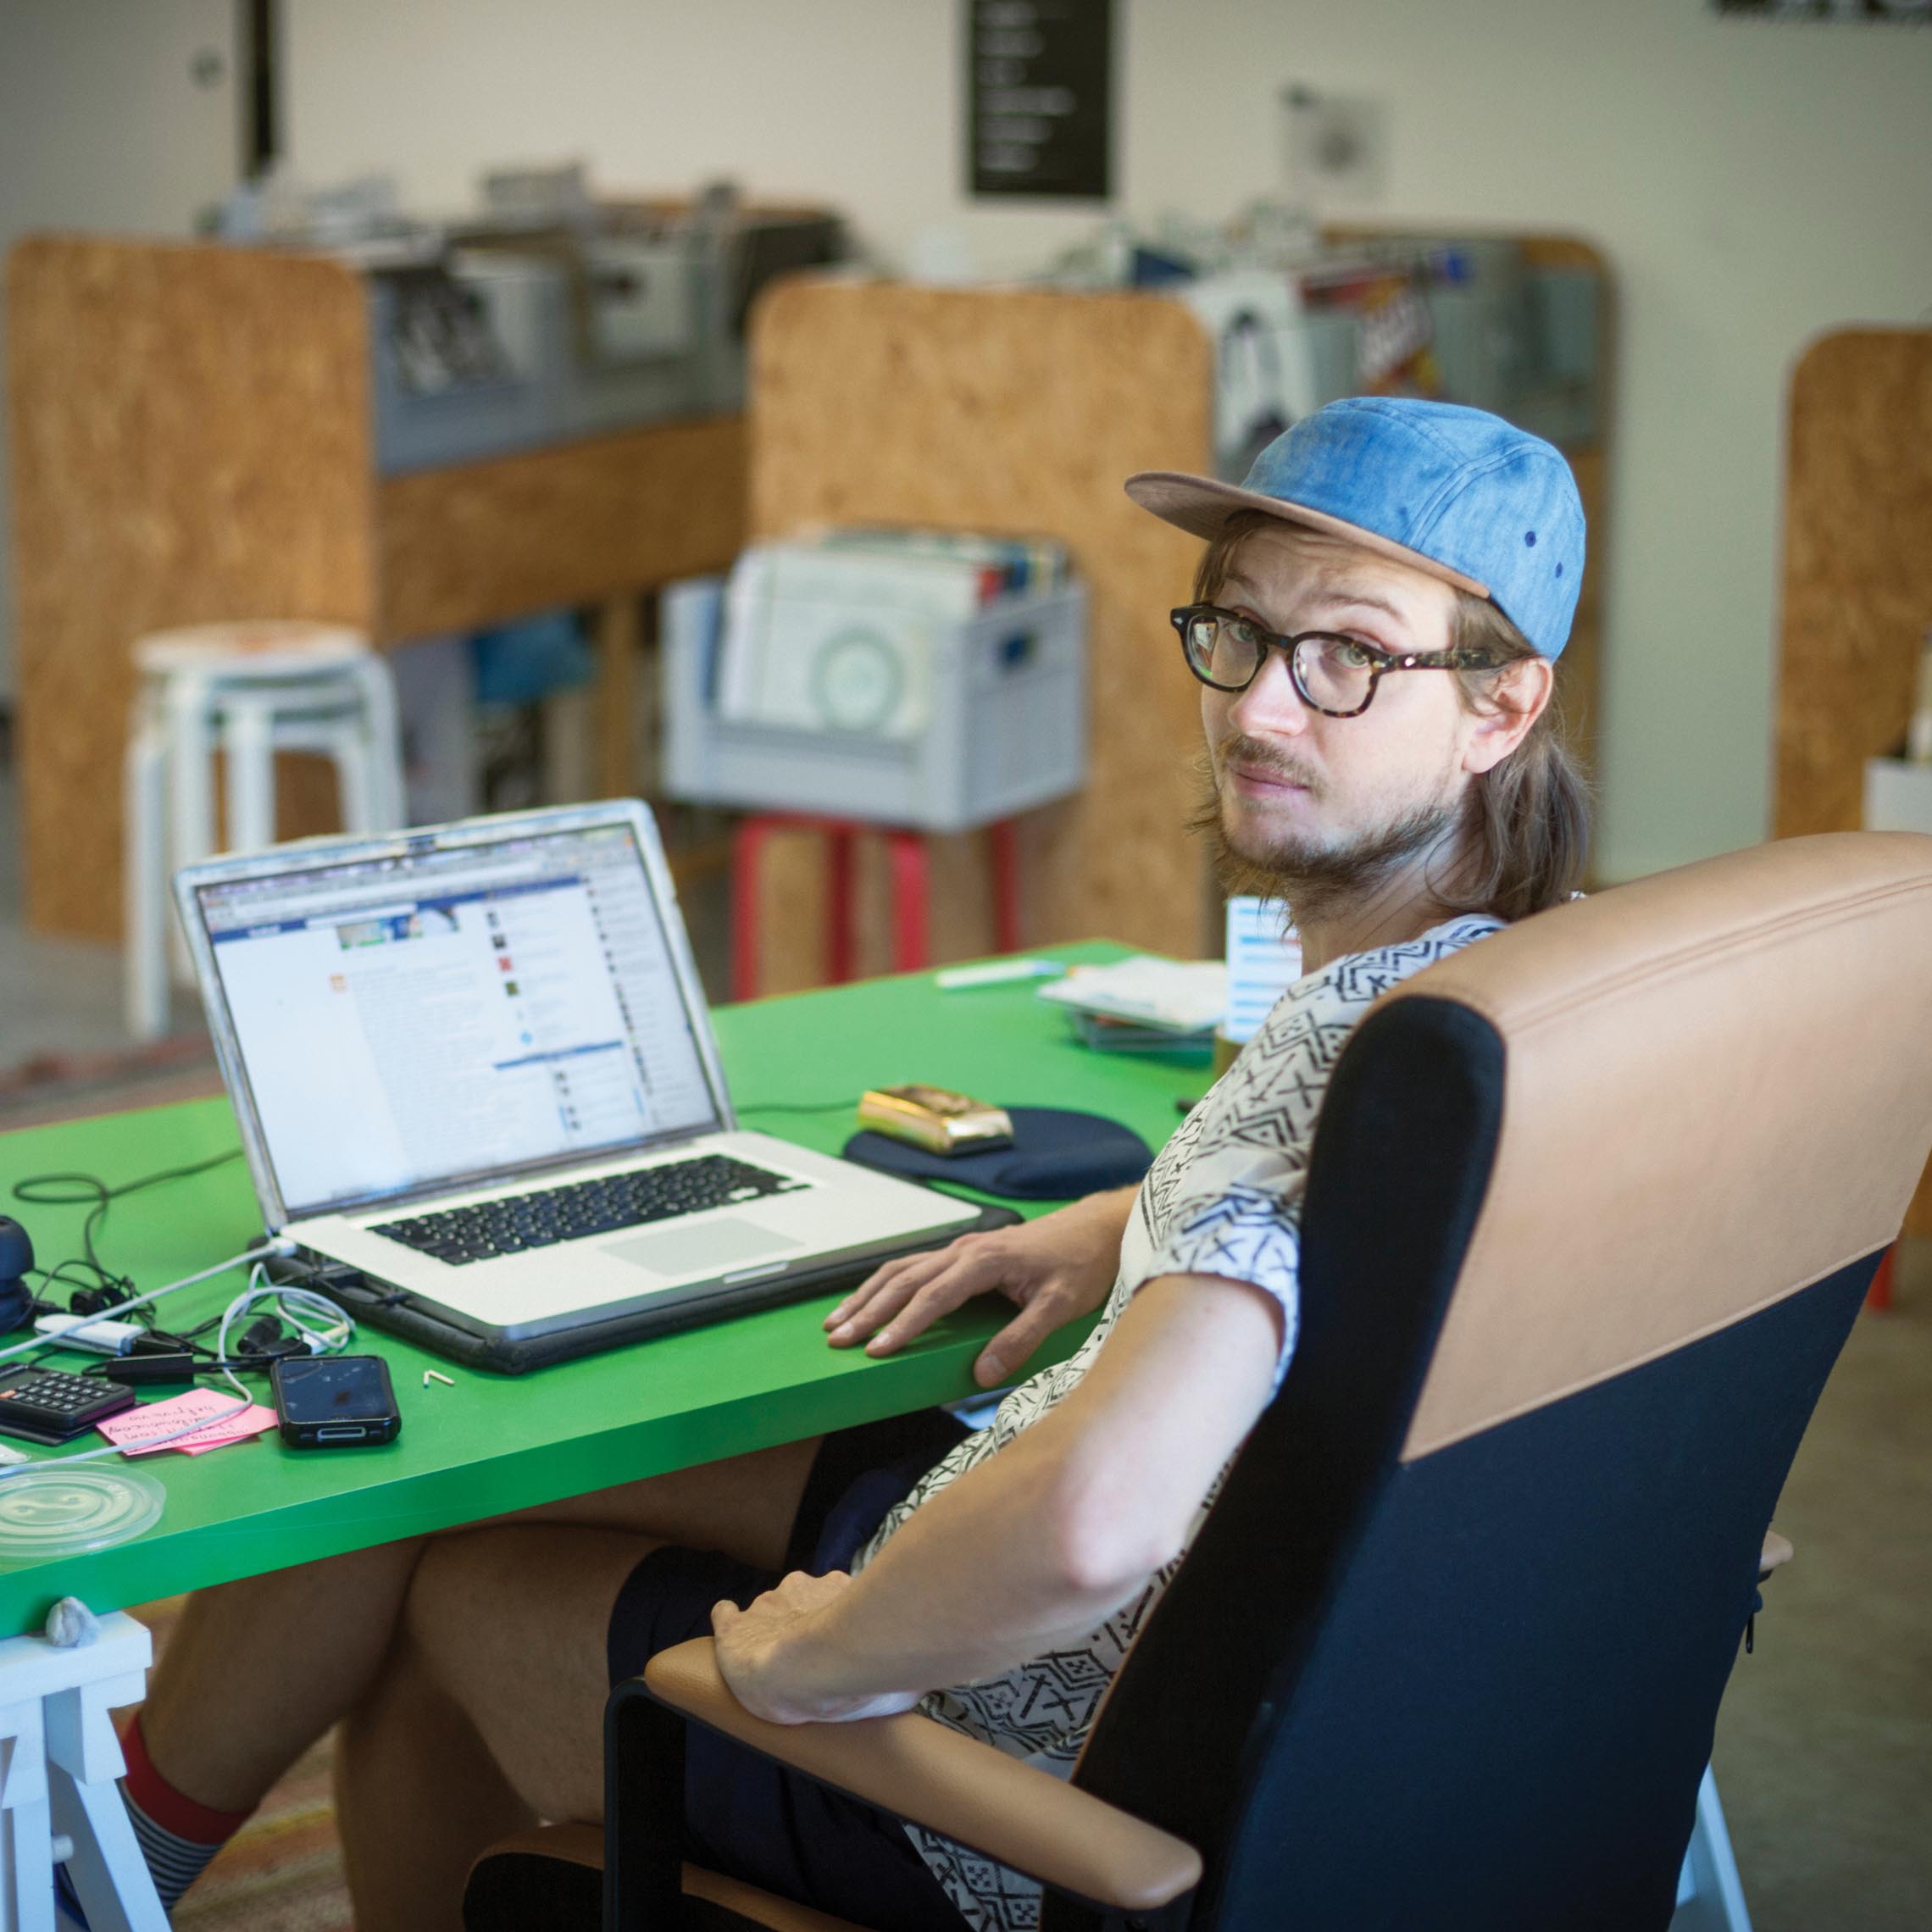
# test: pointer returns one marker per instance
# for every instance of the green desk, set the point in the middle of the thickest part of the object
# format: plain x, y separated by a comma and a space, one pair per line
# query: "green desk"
493, 1443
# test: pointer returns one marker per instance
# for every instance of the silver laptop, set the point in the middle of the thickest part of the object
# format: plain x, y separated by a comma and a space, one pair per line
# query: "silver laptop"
473, 1062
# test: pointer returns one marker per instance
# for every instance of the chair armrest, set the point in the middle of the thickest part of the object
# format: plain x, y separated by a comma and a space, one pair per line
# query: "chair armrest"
487, 1903
571, 1844
951, 1784
1777, 1552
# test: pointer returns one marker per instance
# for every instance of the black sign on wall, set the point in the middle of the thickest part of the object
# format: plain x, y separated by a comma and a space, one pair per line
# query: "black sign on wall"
1039, 97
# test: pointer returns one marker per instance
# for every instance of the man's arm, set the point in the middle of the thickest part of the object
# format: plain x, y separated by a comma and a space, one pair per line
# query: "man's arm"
1039, 1544
1056, 1268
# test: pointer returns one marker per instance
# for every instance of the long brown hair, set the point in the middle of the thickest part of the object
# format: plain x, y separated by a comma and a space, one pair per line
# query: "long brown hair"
1526, 822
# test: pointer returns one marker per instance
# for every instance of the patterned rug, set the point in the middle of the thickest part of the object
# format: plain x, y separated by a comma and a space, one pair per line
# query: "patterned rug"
282, 1872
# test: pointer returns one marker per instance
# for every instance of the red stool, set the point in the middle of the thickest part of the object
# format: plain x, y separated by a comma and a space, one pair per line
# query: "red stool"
1878, 1295
911, 876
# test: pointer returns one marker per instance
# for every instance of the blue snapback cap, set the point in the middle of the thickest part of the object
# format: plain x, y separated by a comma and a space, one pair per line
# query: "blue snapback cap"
1456, 492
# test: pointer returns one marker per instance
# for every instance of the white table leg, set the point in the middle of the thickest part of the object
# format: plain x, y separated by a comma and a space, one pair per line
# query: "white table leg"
27, 1860
60, 1759
1710, 1896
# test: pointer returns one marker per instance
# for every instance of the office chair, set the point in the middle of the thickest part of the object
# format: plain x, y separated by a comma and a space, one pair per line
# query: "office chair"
1591, 1209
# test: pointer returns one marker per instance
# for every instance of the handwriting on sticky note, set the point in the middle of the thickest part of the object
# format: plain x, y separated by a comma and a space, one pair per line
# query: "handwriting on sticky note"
135, 1430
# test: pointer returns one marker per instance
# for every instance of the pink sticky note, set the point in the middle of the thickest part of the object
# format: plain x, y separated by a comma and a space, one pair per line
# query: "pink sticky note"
133, 1431
251, 1422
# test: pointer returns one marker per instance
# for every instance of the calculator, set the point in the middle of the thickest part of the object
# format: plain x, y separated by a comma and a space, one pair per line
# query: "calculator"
48, 1405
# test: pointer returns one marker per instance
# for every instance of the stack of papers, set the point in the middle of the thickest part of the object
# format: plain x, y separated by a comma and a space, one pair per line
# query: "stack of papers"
1145, 1003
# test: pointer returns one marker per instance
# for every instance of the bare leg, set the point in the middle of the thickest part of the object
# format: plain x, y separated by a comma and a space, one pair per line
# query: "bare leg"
260, 1667
417, 1796
521, 1689
256, 1670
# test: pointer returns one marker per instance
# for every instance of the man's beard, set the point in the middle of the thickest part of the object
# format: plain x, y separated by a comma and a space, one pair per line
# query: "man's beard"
1314, 881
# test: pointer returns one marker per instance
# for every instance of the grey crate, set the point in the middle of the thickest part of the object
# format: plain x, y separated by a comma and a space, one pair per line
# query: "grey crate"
1008, 728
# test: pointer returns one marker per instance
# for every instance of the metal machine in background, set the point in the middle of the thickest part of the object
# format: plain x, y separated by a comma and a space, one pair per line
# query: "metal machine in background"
1467, 321
551, 314
1300, 316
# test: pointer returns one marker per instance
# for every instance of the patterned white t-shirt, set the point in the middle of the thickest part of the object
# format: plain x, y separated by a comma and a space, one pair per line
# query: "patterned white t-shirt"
1224, 1198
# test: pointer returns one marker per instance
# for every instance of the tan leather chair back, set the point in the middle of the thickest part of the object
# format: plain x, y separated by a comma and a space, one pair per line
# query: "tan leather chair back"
1718, 1090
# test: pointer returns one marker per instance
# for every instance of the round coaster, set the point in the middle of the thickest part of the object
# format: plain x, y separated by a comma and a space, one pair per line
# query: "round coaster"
50, 1511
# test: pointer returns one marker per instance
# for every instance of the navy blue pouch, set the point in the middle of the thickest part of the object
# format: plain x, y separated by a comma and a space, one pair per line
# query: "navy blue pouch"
1056, 1155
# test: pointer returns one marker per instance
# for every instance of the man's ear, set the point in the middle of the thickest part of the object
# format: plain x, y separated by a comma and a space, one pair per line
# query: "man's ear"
1514, 701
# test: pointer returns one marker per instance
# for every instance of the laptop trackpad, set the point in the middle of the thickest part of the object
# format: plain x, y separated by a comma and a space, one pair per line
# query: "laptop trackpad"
714, 1248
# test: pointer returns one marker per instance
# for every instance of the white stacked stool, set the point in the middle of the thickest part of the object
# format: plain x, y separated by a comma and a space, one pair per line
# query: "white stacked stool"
248, 691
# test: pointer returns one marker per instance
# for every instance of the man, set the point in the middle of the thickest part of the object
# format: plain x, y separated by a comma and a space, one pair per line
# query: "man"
1374, 628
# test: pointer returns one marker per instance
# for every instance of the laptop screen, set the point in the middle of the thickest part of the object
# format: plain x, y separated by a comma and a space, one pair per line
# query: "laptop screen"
448, 1015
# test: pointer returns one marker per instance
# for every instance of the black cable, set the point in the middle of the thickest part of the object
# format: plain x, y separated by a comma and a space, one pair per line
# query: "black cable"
58, 1276
75, 1190
242, 1364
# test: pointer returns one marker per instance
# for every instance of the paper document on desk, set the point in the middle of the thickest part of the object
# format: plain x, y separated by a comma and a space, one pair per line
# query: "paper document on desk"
1176, 996
133, 1430
1264, 959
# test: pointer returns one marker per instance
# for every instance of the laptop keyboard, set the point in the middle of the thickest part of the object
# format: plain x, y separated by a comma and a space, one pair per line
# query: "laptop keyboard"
458, 1235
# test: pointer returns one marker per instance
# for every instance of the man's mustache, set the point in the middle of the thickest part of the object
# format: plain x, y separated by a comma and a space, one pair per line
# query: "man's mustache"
1256, 754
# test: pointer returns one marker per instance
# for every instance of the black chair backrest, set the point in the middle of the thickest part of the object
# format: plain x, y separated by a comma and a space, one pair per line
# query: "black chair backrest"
1591, 1209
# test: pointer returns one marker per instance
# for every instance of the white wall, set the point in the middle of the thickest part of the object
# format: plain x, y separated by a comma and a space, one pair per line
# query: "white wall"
1752, 182
104, 125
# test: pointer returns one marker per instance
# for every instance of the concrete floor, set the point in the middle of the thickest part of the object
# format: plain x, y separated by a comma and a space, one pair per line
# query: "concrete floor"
1825, 1743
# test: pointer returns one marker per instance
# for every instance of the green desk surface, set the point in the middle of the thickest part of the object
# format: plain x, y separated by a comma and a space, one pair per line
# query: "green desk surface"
494, 1443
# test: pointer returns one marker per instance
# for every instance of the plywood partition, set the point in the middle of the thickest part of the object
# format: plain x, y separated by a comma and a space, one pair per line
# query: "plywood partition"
192, 440
1858, 567
190, 431
466, 546
1858, 577
1016, 411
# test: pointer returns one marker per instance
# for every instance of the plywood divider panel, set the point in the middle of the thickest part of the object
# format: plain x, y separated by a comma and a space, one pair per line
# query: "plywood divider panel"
1021, 412
1858, 584
470, 546
190, 442
193, 440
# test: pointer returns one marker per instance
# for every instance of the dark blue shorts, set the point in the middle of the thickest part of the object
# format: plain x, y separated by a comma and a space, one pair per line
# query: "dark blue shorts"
745, 1815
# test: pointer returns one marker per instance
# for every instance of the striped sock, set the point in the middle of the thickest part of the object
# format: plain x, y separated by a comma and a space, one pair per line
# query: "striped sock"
176, 1836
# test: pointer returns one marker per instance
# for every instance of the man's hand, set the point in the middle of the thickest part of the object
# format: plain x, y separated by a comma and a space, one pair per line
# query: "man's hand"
764, 1655
1056, 1268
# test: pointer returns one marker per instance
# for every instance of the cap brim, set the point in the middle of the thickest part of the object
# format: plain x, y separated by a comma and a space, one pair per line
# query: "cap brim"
1203, 507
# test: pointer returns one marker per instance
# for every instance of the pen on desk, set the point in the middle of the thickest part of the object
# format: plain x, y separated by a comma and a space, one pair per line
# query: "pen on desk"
436, 1375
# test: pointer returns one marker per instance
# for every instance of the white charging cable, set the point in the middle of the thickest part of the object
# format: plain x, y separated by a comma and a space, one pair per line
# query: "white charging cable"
291, 1303
44, 1338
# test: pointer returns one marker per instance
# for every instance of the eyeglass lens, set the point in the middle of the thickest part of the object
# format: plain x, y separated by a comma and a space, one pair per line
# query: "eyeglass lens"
1333, 674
